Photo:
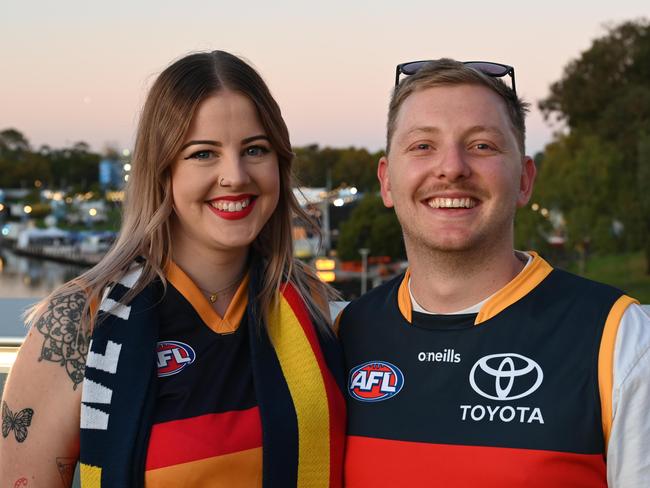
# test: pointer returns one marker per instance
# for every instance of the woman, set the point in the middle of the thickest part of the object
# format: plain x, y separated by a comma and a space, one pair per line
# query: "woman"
211, 362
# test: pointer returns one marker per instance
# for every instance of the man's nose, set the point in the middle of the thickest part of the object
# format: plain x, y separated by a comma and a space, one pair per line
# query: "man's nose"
452, 164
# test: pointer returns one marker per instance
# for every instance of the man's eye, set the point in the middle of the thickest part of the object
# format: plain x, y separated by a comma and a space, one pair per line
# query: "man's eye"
201, 155
256, 151
483, 146
423, 146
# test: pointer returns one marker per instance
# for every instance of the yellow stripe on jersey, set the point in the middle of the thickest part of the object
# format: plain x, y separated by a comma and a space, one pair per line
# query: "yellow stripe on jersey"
606, 361
91, 476
404, 298
519, 287
307, 388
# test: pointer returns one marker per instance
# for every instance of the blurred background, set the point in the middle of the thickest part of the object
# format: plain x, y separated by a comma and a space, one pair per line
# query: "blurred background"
74, 76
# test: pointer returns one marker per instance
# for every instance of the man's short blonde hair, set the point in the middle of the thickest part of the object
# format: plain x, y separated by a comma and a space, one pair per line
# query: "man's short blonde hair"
449, 72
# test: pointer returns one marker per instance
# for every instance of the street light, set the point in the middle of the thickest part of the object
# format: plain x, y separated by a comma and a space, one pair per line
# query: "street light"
364, 269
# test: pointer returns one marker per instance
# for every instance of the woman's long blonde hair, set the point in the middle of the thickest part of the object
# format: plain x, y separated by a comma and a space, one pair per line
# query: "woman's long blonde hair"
145, 231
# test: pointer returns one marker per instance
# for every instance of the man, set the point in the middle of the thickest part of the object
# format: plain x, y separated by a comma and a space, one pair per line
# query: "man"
483, 366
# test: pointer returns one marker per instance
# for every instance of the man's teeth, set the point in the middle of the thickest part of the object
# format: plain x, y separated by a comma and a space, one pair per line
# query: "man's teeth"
230, 206
452, 203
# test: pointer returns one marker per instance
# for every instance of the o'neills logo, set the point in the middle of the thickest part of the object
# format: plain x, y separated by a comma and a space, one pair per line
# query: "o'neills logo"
504, 377
446, 356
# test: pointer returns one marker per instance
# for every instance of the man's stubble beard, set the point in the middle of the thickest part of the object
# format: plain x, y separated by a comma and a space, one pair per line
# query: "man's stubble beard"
456, 257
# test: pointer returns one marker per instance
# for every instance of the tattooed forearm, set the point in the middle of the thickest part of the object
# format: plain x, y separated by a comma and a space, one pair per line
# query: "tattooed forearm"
65, 342
20, 482
66, 467
16, 422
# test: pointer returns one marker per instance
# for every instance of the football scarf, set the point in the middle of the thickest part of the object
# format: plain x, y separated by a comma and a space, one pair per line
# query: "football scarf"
297, 372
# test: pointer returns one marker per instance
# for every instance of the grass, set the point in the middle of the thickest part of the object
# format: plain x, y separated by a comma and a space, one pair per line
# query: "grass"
624, 271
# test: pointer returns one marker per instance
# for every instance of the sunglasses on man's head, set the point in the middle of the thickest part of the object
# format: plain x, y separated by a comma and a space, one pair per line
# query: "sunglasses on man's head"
496, 70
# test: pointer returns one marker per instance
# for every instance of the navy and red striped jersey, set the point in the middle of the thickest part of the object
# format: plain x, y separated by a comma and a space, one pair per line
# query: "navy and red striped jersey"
206, 428
506, 397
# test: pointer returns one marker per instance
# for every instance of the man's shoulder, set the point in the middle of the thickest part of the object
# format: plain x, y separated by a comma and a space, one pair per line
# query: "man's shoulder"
377, 295
580, 284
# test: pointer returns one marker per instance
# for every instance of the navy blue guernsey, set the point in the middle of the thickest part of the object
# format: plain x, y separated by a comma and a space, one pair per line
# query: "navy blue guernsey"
507, 397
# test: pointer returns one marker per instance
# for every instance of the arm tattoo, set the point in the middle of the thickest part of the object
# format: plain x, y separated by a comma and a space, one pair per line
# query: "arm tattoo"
18, 422
65, 341
20, 482
66, 467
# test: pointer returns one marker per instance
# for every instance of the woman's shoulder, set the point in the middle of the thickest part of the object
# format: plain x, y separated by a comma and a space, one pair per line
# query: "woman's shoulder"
64, 337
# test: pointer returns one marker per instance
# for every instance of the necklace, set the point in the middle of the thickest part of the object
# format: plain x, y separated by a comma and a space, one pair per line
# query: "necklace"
214, 295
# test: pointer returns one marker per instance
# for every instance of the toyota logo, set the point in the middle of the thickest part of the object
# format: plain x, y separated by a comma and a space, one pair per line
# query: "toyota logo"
506, 376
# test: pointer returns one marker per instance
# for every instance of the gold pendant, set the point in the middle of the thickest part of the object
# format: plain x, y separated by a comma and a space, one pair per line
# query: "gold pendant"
213, 298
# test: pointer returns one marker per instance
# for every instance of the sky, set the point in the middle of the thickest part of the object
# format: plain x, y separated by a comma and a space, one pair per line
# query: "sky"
75, 70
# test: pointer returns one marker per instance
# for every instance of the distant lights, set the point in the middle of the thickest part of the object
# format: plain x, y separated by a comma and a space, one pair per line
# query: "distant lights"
126, 153
353, 190
2, 207
5, 231
127, 166
535, 207
92, 212
126, 177
27, 209
544, 212
338, 202
38, 183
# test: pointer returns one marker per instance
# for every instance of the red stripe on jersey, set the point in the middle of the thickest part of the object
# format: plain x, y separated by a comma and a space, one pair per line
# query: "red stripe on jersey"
337, 408
182, 441
387, 463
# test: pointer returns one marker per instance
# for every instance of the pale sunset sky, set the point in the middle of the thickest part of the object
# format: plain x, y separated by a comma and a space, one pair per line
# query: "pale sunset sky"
77, 70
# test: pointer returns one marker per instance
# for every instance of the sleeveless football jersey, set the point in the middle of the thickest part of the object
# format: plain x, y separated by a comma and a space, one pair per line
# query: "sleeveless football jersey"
508, 397
206, 429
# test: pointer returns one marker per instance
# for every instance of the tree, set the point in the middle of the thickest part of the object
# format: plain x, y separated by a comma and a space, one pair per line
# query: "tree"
373, 226
603, 99
12, 140
347, 167
643, 183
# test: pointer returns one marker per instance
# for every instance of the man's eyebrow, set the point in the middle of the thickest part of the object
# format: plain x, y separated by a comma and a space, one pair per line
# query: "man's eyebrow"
485, 128
424, 128
193, 143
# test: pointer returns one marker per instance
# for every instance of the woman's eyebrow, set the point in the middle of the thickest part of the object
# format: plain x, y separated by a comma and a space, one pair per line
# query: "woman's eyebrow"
192, 143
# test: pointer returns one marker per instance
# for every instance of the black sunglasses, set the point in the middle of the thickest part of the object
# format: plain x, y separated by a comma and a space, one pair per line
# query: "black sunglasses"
496, 70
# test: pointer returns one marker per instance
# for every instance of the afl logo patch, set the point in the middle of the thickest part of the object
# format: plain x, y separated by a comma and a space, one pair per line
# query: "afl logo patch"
173, 357
375, 381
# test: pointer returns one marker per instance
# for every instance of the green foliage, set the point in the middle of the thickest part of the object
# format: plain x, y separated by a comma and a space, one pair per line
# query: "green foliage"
20, 166
597, 174
347, 167
373, 226
40, 210
624, 271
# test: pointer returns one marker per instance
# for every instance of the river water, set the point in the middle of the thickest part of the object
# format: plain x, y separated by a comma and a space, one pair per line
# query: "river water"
22, 277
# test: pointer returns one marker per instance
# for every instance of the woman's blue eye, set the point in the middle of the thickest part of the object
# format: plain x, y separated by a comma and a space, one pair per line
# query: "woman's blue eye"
256, 151
205, 154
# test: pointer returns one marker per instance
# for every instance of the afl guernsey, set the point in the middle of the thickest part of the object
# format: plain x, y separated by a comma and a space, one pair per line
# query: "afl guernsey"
206, 426
513, 396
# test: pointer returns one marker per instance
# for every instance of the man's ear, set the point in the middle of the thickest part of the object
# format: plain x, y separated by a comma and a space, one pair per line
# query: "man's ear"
384, 181
526, 181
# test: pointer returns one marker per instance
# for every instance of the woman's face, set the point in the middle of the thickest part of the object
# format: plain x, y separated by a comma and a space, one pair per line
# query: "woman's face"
226, 180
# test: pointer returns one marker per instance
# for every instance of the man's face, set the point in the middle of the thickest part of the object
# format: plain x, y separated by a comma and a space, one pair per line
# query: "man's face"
455, 174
